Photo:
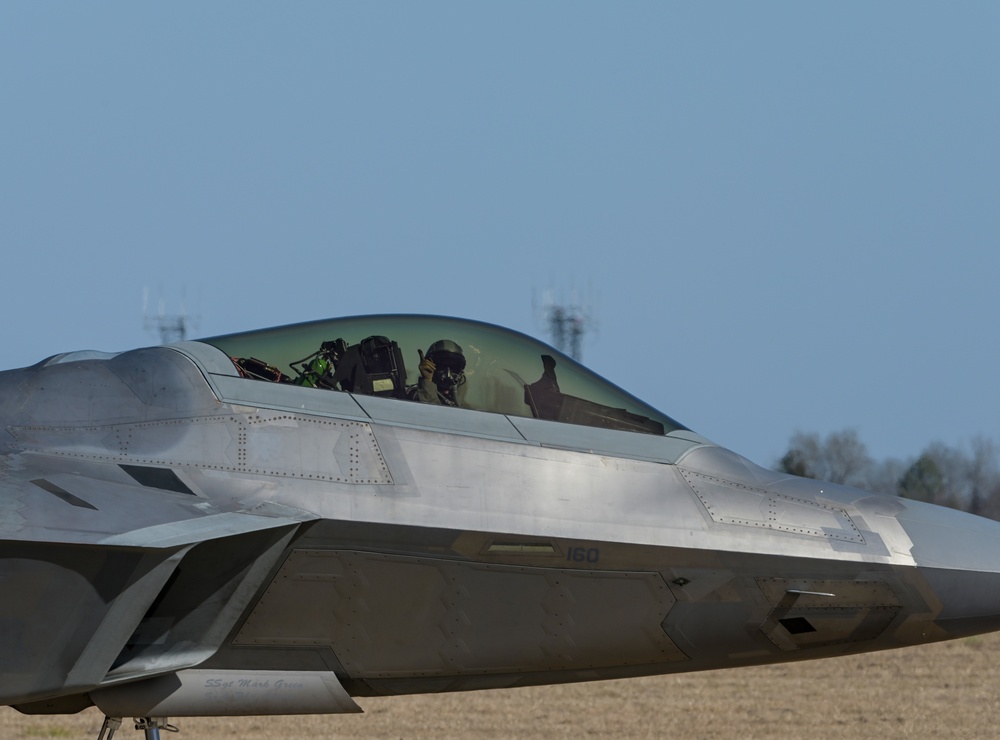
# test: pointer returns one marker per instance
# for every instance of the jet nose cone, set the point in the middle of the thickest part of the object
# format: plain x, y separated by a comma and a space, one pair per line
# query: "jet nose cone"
958, 555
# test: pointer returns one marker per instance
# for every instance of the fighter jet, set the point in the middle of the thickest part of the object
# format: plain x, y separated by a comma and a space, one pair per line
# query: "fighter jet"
283, 521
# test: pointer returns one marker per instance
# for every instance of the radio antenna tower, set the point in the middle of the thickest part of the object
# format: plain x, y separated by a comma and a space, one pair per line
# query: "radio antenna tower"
567, 324
171, 327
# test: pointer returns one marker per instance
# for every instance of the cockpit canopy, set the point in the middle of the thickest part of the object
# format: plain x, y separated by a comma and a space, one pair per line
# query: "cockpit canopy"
505, 372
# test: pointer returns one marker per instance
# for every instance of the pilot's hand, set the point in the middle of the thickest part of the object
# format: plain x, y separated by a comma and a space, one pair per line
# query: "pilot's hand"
426, 366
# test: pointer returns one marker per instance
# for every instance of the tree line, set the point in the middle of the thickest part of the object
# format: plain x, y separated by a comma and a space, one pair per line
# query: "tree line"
966, 478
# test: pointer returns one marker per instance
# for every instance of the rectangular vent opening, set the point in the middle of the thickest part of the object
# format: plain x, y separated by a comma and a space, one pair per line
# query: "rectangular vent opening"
797, 625
162, 478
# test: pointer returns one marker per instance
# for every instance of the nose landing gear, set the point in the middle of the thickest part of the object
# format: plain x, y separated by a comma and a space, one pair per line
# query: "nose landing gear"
150, 725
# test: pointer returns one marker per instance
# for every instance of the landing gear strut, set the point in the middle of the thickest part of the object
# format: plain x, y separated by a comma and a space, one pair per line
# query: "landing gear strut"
150, 725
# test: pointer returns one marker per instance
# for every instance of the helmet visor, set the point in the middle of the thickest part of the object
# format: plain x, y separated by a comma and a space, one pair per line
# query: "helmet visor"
445, 360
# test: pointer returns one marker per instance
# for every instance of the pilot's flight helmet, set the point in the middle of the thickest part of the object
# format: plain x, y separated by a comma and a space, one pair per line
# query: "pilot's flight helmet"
447, 354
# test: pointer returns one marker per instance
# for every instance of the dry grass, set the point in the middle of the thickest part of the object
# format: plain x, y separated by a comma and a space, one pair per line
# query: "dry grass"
943, 691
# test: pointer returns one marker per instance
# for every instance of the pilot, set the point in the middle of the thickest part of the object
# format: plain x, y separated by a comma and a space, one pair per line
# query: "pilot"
442, 374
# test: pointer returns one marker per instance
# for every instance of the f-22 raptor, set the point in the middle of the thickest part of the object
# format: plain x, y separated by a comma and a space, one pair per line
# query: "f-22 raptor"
282, 521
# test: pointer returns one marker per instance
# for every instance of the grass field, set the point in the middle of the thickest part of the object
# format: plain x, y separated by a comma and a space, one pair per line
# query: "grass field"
947, 690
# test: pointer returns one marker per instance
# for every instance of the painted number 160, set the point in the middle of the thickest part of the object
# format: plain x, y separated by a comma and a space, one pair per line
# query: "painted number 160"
583, 554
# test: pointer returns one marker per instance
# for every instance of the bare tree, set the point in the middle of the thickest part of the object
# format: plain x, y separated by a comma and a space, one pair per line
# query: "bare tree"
963, 478
884, 476
983, 476
840, 458
953, 477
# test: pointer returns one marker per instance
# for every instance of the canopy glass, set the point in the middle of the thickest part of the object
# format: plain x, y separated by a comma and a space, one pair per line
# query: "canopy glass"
504, 371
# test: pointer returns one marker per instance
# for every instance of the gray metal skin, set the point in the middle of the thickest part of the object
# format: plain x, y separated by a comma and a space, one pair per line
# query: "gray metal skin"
176, 540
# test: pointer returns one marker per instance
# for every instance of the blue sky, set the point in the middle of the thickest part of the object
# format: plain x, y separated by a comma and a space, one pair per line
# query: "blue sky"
784, 216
